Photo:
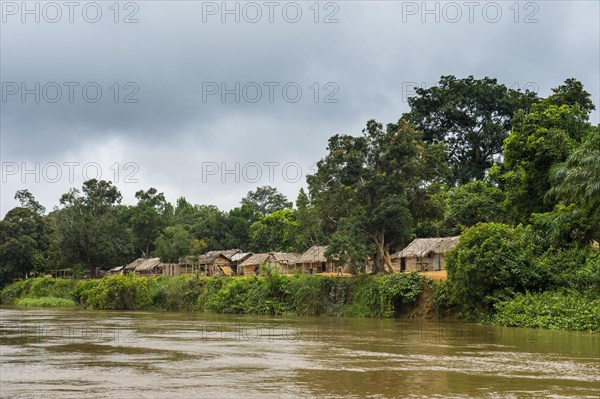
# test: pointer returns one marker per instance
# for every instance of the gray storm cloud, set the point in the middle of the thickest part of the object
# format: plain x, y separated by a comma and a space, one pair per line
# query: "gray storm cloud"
181, 90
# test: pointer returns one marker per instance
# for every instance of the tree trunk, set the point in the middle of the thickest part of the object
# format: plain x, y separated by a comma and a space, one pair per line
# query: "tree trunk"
388, 261
382, 261
91, 267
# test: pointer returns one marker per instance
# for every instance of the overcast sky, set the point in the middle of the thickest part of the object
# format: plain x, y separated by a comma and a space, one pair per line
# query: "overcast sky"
180, 96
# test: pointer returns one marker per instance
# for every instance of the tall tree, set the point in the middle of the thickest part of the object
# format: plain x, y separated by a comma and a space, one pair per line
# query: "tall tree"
275, 232
577, 181
149, 217
540, 140
310, 229
349, 245
473, 203
239, 221
379, 179
472, 116
173, 243
266, 200
87, 232
23, 239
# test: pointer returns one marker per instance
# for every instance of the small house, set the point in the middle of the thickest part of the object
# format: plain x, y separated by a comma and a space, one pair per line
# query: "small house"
116, 270
424, 254
314, 261
285, 262
215, 263
237, 260
149, 267
130, 268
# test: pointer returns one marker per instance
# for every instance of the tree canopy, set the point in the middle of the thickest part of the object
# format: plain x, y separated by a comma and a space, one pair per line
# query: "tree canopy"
472, 116
471, 157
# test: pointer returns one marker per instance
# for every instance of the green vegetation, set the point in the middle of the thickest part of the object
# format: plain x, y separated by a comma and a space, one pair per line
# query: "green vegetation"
554, 310
275, 294
46, 302
517, 176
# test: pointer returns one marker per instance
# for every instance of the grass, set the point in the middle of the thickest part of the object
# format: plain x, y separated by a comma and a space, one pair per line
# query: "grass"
46, 302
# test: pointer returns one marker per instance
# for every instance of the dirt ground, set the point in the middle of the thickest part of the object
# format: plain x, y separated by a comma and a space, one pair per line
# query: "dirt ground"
436, 276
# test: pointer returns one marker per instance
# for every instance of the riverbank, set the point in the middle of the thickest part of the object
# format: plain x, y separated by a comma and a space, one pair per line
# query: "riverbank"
408, 295
273, 294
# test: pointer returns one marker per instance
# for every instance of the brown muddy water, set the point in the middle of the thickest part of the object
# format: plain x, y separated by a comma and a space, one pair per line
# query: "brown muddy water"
93, 354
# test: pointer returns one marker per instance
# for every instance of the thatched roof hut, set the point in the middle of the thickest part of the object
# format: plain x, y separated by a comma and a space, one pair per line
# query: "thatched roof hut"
424, 254
421, 247
216, 263
116, 270
284, 261
314, 261
148, 266
212, 263
315, 254
237, 260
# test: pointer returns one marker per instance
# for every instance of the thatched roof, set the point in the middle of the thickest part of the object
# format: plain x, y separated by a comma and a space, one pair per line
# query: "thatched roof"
228, 253
315, 254
147, 264
240, 256
208, 257
133, 265
271, 257
422, 247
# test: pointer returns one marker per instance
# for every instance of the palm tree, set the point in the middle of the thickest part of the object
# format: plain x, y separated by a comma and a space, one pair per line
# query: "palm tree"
578, 179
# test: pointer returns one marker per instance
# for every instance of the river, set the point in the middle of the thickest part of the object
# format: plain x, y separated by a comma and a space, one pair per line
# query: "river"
95, 354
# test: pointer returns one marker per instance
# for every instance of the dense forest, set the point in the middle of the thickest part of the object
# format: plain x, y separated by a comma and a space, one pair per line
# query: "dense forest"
518, 176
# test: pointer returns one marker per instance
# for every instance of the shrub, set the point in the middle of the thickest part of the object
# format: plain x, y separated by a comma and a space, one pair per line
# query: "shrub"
117, 292
442, 296
490, 263
38, 288
174, 293
384, 296
553, 310
12, 292
309, 295
46, 302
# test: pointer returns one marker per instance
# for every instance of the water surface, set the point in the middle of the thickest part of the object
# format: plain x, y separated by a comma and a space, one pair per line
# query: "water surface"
83, 354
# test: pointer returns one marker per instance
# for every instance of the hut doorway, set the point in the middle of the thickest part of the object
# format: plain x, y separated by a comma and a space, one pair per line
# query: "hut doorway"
436, 262
402, 264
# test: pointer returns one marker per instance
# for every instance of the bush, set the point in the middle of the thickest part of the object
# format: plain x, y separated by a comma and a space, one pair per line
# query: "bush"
442, 297
310, 295
274, 294
175, 293
11, 293
384, 296
490, 263
561, 266
116, 292
587, 279
38, 288
52, 287
46, 302
553, 310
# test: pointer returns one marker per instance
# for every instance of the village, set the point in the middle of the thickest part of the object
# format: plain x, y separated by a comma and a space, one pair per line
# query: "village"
424, 255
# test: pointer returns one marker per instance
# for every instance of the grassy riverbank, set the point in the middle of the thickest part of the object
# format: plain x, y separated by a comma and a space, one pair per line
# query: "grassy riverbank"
404, 295
274, 294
